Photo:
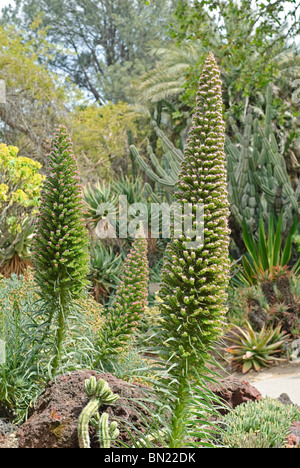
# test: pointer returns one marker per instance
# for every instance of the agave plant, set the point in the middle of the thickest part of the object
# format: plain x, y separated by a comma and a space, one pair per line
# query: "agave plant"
256, 349
266, 253
94, 196
104, 269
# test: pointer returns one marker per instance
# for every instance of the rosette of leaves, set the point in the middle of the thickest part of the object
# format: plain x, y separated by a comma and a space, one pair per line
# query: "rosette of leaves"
20, 184
255, 350
195, 280
129, 302
61, 239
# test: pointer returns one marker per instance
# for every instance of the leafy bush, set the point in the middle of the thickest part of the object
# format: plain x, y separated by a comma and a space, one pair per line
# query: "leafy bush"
266, 253
20, 184
256, 349
260, 424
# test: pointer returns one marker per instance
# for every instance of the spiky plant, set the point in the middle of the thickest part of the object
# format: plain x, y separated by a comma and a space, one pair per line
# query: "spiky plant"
129, 302
194, 281
61, 240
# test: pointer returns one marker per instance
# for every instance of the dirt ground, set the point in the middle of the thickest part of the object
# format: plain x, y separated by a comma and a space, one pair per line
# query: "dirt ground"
278, 370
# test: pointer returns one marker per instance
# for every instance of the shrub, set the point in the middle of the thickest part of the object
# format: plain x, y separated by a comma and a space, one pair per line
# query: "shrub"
259, 424
20, 184
24, 374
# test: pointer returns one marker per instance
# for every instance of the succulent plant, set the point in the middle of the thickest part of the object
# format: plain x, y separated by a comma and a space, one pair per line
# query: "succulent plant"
259, 424
99, 394
107, 433
256, 349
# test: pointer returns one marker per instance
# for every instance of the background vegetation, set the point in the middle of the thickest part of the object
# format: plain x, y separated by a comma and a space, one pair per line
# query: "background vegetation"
122, 77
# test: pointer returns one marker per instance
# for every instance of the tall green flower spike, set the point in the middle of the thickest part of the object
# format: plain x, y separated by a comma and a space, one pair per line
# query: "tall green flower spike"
61, 239
129, 302
195, 280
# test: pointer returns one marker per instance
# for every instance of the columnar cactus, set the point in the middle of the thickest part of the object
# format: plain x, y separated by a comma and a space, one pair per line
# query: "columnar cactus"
107, 433
61, 239
194, 280
99, 394
129, 302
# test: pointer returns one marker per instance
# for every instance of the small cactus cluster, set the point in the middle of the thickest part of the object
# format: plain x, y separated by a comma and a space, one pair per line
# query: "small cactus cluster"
130, 300
99, 394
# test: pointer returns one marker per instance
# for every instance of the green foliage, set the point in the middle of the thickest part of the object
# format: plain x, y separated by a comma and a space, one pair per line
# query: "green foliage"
267, 253
20, 184
194, 280
99, 394
256, 349
61, 240
105, 268
25, 372
257, 173
18, 386
247, 39
259, 424
35, 98
100, 138
104, 43
129, 302
296, 241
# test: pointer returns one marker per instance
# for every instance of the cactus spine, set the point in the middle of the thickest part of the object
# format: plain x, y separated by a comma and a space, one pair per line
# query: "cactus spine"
99, 394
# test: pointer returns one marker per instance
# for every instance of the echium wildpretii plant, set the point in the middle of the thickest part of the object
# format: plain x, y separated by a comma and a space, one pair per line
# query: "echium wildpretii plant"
195, 280
61, 240
129, 302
